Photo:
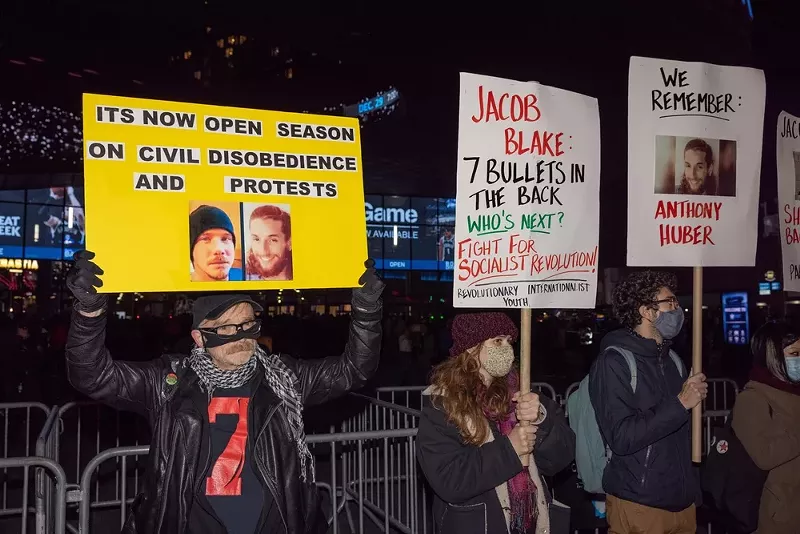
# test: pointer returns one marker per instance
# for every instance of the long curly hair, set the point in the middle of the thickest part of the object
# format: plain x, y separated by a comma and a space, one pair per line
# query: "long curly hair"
465, 399
637, 290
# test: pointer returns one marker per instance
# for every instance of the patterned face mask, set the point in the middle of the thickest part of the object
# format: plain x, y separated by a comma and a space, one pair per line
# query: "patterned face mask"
499, 360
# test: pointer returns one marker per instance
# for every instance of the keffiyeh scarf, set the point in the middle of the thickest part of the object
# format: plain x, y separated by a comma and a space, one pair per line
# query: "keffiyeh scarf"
279, 377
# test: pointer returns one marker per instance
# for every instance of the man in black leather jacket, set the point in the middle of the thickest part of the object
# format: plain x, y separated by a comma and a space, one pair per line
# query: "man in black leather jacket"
228, 452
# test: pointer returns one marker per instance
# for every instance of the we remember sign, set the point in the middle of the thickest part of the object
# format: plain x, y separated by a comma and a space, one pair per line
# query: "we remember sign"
694, 161
527, 199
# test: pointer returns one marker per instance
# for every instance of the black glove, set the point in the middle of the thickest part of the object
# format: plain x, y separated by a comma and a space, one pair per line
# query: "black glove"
83, 282
368, 295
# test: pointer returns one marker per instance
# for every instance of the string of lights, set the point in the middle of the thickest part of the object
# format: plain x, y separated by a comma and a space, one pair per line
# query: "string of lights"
31, 133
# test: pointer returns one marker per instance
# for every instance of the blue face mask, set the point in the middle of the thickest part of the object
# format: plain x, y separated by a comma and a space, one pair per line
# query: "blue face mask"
669, 323
793, 368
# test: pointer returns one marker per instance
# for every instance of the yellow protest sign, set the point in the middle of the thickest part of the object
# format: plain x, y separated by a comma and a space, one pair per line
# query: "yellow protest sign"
189, 197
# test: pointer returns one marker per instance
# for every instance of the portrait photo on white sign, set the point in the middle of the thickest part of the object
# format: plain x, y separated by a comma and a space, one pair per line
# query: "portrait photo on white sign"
695, 166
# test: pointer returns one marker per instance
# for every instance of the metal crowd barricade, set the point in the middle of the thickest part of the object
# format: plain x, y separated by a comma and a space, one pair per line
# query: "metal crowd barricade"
16, 416
717, 406
379, 483
380, 415
382, 477
60, 499
408, 396
88, 428
22, 422
45, 504
394, 408
722, 393
411, 396
543, 388
120, 456
46, 447
369, 468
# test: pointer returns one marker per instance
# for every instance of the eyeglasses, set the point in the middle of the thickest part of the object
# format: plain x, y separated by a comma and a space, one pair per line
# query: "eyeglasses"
673, 301
230, 330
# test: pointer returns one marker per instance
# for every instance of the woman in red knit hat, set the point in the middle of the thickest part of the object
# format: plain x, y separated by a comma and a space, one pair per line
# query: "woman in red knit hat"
470, 439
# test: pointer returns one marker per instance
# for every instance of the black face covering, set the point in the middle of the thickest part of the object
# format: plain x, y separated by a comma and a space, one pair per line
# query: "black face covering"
212, 339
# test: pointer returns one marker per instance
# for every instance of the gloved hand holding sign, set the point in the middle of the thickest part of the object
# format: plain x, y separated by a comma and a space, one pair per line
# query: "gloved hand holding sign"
367, 297
83, 280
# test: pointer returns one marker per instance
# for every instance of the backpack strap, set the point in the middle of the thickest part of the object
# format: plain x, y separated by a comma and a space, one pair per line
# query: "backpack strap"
678, 363
631, 359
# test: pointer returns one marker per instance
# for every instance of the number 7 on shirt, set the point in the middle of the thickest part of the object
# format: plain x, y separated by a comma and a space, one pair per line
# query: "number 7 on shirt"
226, 475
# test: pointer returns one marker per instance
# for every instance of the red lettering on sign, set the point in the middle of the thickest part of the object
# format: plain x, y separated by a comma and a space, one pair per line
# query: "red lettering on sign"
537, 143
792, 215
226, 475
506, 106
685, 235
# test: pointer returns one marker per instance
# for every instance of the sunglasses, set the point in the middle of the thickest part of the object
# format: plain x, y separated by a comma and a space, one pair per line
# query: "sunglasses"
231, 330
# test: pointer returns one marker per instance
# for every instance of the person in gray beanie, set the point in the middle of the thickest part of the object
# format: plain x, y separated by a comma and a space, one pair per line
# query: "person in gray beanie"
212, 245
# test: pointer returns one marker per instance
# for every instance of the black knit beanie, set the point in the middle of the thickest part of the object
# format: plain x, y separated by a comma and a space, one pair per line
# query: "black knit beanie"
207, 218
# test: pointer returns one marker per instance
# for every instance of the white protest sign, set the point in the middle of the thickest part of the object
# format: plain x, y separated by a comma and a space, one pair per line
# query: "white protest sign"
694, 161
527, 206
788, 153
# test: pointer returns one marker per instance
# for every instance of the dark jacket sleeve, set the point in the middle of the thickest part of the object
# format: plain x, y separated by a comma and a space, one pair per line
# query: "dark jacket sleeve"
625, 428
325, 379
555, 440
91, 371
458, 472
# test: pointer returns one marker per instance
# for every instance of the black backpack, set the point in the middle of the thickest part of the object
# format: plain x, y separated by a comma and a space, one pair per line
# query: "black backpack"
732, 482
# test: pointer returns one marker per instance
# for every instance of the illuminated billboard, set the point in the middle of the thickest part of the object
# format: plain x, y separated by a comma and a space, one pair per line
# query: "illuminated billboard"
42, 224
735, 318
411, 233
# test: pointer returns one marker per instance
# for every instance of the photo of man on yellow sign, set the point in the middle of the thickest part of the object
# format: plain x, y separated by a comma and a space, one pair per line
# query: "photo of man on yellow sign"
190, 197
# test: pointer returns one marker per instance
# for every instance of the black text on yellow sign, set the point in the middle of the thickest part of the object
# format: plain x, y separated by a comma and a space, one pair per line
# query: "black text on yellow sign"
188, 197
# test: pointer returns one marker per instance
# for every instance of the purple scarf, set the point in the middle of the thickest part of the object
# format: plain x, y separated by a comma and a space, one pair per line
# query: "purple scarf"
521, 489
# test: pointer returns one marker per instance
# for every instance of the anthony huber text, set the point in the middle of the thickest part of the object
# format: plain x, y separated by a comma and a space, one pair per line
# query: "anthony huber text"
687, 234
515, 254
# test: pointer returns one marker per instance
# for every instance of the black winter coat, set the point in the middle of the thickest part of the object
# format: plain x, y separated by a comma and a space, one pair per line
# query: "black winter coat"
174, 471
648, 432
464, 477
